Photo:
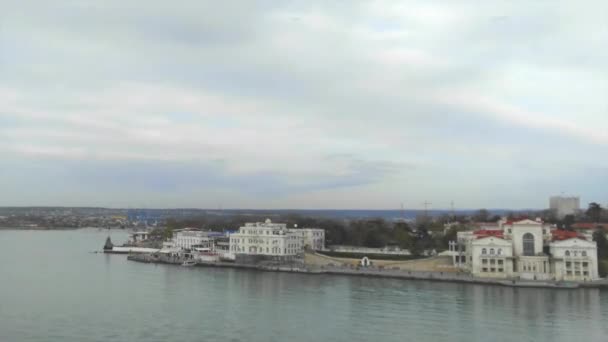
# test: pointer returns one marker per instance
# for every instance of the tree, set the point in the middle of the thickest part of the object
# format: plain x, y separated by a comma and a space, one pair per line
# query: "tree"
481, 215
402, 235
594, 211
602, 244
375, 240
549, 216
495, 218
452, 234
567, 222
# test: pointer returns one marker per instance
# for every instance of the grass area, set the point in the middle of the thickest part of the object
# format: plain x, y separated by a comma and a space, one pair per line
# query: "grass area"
370, 255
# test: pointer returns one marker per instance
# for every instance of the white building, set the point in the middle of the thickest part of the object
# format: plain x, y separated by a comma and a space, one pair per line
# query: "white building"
563, 206
266, 239
188, 237
526, 249
313, 238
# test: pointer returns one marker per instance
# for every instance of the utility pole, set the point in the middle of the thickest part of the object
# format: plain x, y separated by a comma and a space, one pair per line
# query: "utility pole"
402, 213
452, 208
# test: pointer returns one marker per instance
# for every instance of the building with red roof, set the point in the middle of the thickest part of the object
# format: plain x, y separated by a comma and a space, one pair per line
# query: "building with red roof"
526, 249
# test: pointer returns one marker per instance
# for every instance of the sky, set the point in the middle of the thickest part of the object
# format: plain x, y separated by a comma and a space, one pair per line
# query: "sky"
303, 104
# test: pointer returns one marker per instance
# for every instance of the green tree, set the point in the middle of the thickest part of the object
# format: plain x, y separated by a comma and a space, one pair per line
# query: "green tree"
451, 234
567, 222
594, 212
482, 215
402, 235
599, 236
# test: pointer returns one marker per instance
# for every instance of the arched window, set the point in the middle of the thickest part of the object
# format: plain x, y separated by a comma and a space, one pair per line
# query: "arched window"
492, 251
499, 251
567, 253
583, 253
484, 251
528, 240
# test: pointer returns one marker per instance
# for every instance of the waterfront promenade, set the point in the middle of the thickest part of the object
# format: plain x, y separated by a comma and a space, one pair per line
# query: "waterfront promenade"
377, 272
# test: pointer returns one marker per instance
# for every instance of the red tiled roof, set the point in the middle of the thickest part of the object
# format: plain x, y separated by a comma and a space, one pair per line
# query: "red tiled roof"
589, 225
487, 233
559, 234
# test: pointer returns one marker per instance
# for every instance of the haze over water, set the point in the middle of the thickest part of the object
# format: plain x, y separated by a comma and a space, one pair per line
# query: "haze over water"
54, 289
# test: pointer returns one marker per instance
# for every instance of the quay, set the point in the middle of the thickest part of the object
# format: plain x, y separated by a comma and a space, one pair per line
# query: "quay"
377, 272
130, 250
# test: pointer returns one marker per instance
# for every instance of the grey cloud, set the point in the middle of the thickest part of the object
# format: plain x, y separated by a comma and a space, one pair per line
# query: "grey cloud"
288, 94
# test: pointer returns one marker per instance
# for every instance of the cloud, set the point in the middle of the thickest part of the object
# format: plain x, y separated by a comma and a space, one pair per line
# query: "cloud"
372, 100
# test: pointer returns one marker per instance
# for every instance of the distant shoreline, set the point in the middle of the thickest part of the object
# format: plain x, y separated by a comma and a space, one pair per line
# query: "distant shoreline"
56, 228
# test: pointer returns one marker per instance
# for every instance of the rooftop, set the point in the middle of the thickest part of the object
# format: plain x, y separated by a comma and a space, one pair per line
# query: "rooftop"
559, 234
589, 225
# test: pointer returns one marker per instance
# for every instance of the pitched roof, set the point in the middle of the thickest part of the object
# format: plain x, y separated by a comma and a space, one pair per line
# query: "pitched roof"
559, 234
481, 233
522, 220
589, 225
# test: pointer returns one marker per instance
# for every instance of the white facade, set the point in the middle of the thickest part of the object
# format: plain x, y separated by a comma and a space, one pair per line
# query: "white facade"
313, 238
188, 237
564, 205
492, 257
575, 259
526, 249
266, 238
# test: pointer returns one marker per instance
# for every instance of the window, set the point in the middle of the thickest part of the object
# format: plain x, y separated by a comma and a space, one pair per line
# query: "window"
484, 269
585, 264
567, 253
499, 251
509, 230
528, 242
500, 262
484, 261
492, 251
585, 273
492, 262
568, 263
484, 251
569, 272
501, 270
584, 253
492, 269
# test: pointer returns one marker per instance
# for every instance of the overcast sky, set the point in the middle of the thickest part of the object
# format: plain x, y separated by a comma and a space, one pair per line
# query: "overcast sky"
303, 104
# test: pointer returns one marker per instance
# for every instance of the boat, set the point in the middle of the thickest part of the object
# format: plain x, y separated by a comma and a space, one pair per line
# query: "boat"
189, 263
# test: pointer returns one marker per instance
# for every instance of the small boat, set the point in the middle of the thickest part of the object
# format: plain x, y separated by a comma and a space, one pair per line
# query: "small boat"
189, 263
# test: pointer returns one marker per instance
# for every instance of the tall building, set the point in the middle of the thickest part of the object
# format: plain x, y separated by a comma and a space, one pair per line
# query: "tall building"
564, 205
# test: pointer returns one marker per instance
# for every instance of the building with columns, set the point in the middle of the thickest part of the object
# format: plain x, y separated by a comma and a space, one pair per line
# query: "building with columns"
267, 240
526, 249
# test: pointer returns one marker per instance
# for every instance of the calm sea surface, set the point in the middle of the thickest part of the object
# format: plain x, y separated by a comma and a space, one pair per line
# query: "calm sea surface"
52, 288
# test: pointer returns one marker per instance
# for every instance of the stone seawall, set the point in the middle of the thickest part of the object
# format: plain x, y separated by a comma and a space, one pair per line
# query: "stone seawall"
381, 273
